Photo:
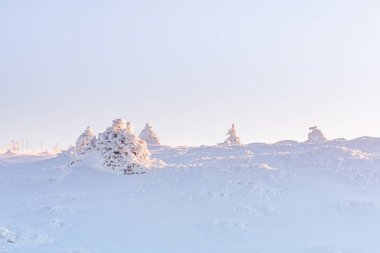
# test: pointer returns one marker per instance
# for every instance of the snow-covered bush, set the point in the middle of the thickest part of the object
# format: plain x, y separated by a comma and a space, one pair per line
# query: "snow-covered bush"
121, 150
233, 138
85, 142
10, 152
316, 135
149, 136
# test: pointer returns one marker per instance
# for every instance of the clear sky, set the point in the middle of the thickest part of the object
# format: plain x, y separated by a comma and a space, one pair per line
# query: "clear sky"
190, 68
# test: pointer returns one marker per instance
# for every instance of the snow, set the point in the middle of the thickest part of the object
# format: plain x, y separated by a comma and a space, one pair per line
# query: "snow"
85, 142
149, 136
233, 138
316, 135
122, 151
288, 197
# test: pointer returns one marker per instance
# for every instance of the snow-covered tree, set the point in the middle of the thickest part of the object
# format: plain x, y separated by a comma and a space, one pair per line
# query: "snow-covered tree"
315, 135
233, 138
149, 136
129, 127
121, 150
85, 142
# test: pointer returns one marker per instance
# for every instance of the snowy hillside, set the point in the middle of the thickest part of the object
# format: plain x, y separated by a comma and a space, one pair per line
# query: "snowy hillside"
288, 197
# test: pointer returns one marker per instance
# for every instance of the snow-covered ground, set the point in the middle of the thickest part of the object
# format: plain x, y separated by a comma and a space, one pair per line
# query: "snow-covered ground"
286, 197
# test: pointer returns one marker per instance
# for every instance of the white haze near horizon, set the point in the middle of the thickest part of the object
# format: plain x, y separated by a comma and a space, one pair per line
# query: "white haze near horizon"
190, 68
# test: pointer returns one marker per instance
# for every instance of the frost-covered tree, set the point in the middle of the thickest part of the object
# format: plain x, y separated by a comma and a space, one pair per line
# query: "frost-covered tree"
121, 150
85, 142
149, 136
129, 127
315, 135
233, 138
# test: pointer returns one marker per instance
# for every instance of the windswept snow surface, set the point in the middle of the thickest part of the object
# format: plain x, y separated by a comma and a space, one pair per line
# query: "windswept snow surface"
286, 197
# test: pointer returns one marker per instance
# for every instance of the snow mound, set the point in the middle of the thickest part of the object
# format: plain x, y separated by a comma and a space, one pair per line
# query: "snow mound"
339, 153
365, 143
7, 235
22, 237
327, 157
286, 143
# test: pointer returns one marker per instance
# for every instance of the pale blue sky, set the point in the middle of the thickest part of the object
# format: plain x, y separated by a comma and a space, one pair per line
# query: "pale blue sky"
190, 68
